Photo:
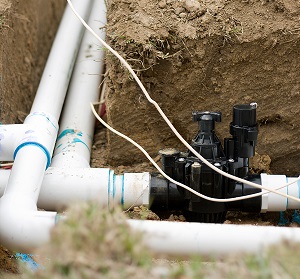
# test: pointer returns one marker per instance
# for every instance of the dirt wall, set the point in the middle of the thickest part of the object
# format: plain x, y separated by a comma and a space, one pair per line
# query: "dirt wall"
205, 55
27, 29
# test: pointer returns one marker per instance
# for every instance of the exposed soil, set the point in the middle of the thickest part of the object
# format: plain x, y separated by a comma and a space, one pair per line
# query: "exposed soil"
7, 261
204, 55
26, 31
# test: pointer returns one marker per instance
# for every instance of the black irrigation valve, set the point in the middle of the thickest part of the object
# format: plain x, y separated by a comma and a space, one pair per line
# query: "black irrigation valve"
188, 169
244, 129
206, 119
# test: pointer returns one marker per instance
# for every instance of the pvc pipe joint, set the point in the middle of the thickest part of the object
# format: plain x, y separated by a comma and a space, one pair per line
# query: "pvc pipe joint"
23, 227
63, 186
72, 149
274, 202
41, 132
39, 129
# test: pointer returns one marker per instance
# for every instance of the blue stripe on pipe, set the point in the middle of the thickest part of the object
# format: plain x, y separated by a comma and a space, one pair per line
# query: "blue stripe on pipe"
77, 140
65, 132
60, 145
44, 115
114, 187
28, 260
122, 196
45, 150
71, 132
57, 217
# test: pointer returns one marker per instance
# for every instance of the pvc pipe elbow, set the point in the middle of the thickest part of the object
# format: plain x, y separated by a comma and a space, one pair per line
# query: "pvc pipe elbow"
22, 227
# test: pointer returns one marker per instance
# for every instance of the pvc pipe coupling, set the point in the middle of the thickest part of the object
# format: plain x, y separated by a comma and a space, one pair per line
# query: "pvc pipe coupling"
72, 149
62, 187
39, 129
273, 202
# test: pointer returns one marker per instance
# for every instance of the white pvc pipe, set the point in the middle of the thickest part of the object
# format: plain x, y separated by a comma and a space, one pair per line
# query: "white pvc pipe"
187, 239
4, 175
57, 73
77, 122
273, 202
63, 187
21, 225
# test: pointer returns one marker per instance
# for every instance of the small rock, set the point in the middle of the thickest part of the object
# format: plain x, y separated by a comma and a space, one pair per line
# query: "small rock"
27, 60
136, 209
182, 218
171, 218
192, 5
182, 15
179, 10
162, 4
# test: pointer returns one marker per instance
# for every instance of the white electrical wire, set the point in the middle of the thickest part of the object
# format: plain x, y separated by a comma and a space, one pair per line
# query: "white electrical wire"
171, 179
168, 121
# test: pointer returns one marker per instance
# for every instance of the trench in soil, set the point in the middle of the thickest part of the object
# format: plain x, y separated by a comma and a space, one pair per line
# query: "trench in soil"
190, 56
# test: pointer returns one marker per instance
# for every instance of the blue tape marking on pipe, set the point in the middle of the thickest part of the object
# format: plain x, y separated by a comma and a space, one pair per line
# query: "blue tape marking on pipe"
65, 132
28, 260
51, 122
45, 150
114, 187
44, 115
122, 197
59, 146
57, 218
76, 140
